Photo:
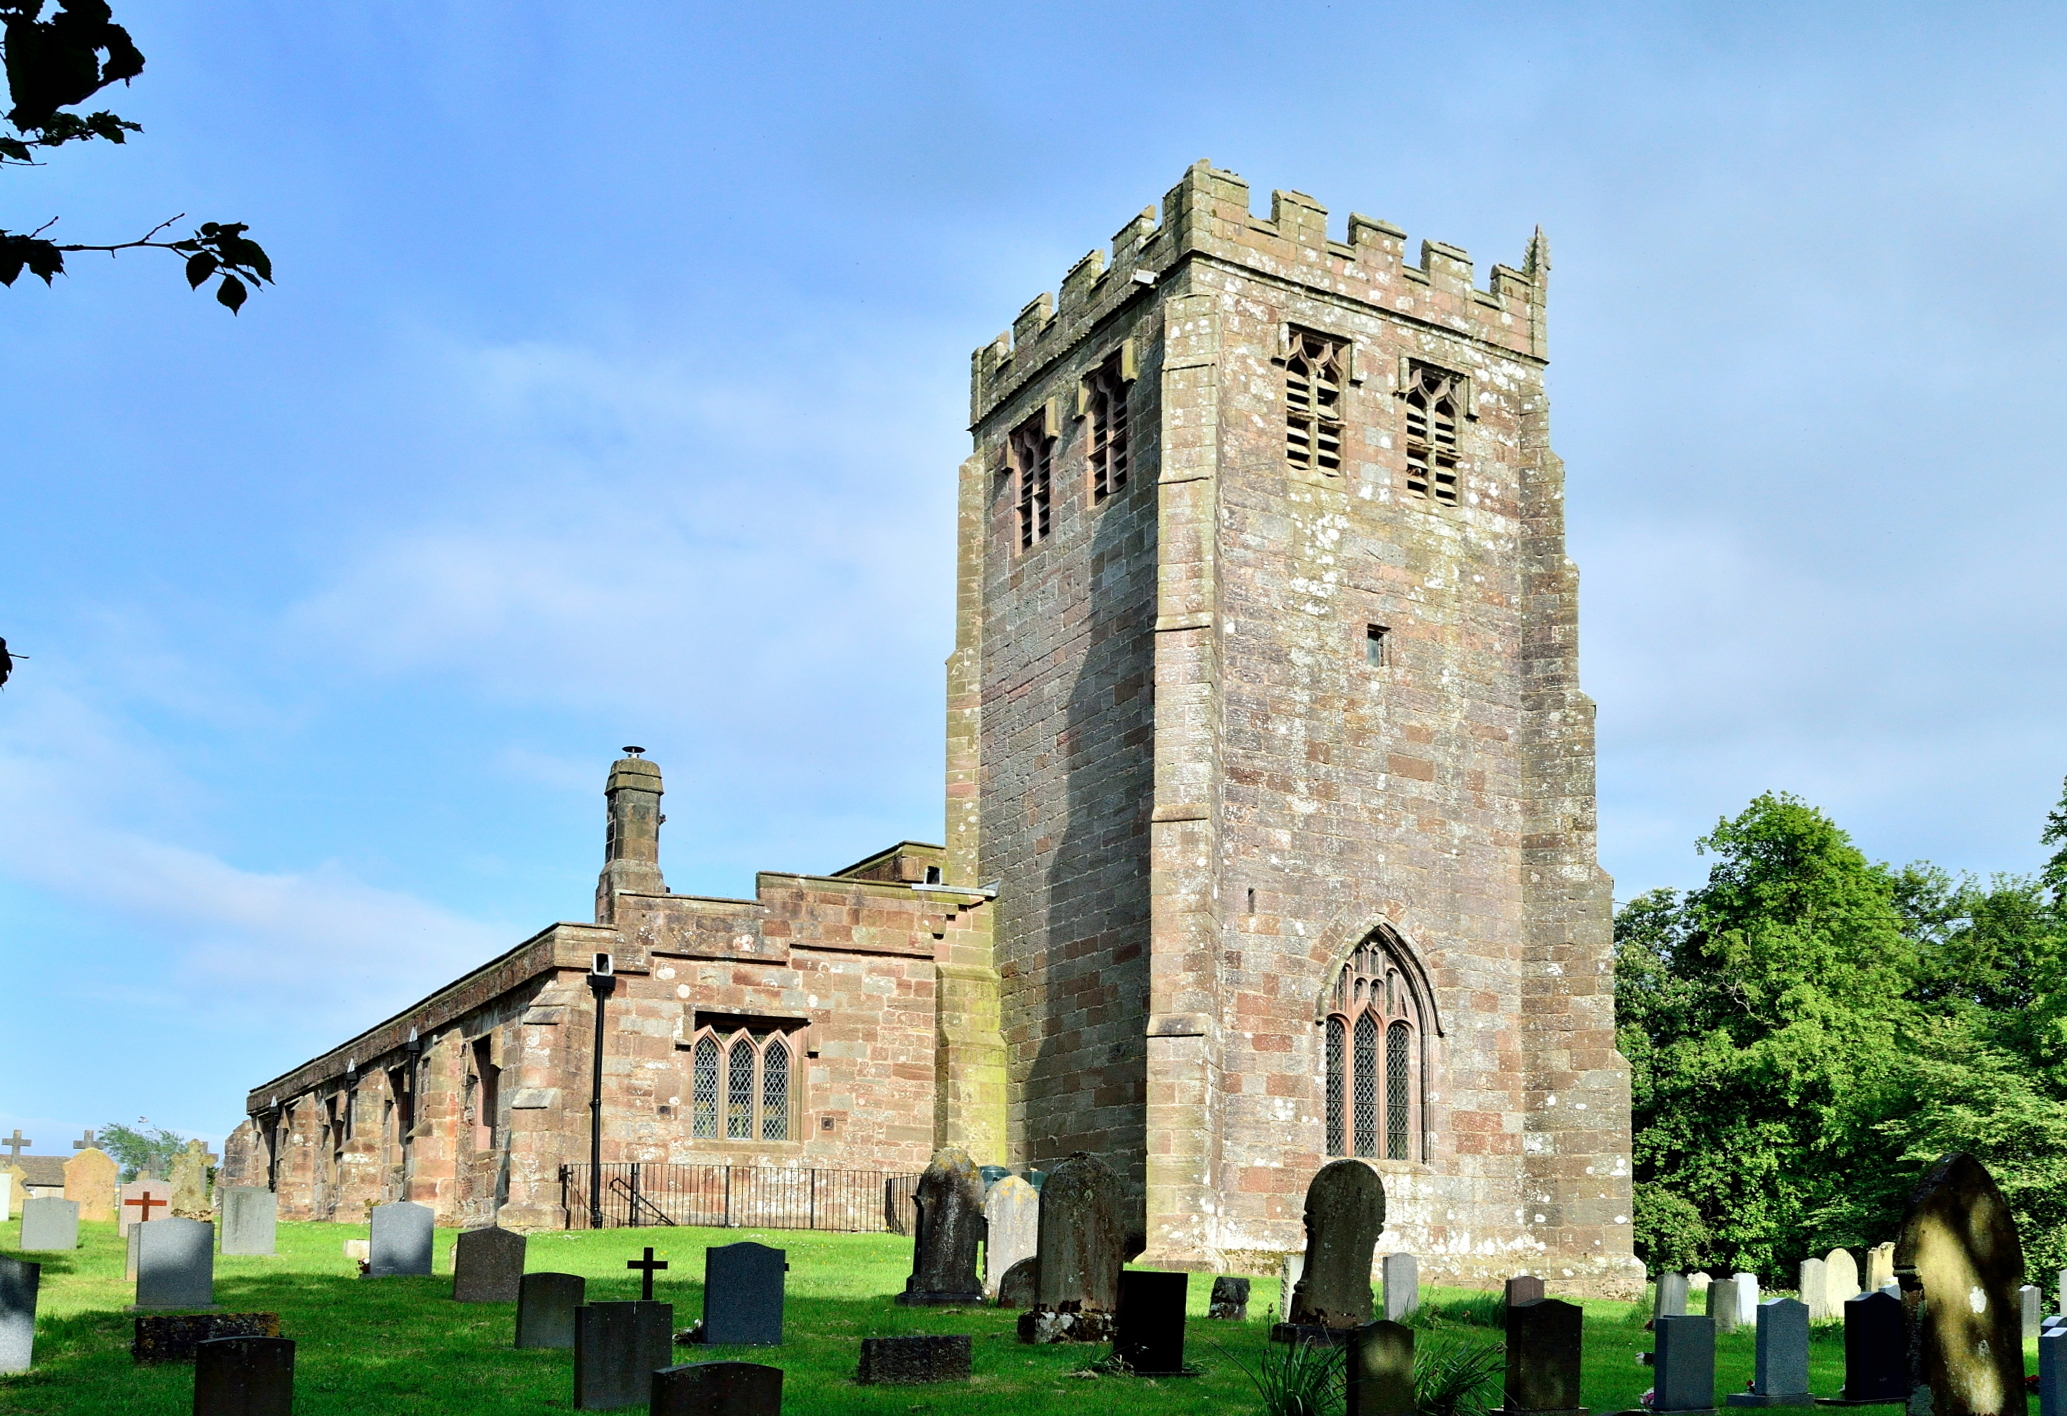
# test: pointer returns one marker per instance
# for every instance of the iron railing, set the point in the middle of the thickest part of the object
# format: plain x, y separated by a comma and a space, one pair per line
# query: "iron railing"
639, 1194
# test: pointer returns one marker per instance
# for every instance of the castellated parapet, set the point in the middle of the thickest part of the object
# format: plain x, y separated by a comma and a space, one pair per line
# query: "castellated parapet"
1277, 748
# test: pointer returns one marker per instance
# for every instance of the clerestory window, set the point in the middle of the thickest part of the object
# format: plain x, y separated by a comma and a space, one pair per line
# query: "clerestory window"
1373, 1080
1033, 461
1313, 402
741, 1087
1434, 401
1106, 409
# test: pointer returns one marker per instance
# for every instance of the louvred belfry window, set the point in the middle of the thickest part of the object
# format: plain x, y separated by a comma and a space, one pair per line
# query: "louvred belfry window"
1106, 399
742, 1086
1313, 402
1434, 399
1033, 462
1372, 1088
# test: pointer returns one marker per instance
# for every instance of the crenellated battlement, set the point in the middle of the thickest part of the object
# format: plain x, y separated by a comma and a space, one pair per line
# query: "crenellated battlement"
1207, 213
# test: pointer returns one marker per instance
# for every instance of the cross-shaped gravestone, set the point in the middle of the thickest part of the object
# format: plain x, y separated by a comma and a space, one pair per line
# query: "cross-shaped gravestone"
85, 1142
15, 1142
646, 1266
144, 1202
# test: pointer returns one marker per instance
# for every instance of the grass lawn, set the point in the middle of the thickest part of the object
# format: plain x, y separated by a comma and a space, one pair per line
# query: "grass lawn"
400, 1345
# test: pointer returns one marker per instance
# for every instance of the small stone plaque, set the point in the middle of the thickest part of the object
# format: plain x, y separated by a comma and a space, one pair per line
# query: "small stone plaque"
1230, 1299
173, 1337
545, 1308
244, 1376
49, 1224
911, 1360
18, 1286
1018, 1288
1401, 1277
1148, 1328
717, 1389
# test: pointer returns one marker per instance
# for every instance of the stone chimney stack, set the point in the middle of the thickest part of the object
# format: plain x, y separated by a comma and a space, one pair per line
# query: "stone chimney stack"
631, 851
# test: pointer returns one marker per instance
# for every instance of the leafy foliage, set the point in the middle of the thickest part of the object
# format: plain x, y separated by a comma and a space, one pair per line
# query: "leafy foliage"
1297, 1378
141, 1147
1457, 1376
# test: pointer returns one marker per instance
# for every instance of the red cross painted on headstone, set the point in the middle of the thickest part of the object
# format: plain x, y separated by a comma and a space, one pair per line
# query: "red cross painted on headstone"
646, 1266
15, 1142
146, 1200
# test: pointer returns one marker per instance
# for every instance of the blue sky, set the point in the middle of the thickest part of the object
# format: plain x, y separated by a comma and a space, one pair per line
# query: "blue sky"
616, 378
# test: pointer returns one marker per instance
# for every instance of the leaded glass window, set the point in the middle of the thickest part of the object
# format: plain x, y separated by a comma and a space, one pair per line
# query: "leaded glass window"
1397, 1041
775, 1091
1335, 1040
703, 1096
739, 1092
1364, 1103
1373, 1056
743, 1089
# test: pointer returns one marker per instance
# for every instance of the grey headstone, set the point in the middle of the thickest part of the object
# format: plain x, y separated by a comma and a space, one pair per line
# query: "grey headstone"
1684, 1366
1671, 1299
49, 1224
1012, 1228
1229, 1300
2062, 1285
1876, 1349
487, 1265
950, 1200
1400, 1275
617, 1349
1841, 1277
175, 1264
1379, 1371
1345, 1214
742, 1295
545, 1308
400, 1245
244, 1376
1289, 1274
1960, 1241
1148, 1327
1020, 1287
18, 1281
1524, 1288
717, 1389
1814, 1284
1722, 1306
250, 1217
907, 1360
1543, 1347
2030, 1307
1082, 1242
1744, 1292
1780, 1371
2052, 1373
129, 1246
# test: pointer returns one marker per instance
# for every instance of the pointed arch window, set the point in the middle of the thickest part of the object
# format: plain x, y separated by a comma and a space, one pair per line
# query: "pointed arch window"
1374, 1058
1313, 402
1435, 402
742, 1086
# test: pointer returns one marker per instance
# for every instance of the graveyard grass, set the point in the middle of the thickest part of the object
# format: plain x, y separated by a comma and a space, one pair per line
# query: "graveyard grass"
400, 1345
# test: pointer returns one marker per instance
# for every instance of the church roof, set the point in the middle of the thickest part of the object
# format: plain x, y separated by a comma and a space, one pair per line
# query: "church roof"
42, 1169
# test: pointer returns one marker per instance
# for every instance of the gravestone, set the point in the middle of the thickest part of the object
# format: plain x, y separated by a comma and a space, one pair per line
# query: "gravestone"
1524, 1288
742, 1295
1148, 1326
1230, 1299
1814, 1284
401, 1242
1876, 1350
189, 1183
1081, 1251
50, 1224
142, 1200
1543, 1349
1698, 1283
90, 1184
244, 1376
1400, 1277
2052, 1372
1780, 1370
136, 1235
1012, 1229
910, 1360
1744, 1293
1722, 1306
250, 1220
1683, 1367
950, 1200
1880, 1266
545, 1308
1378, 1370
18, 1284
7, 1174
1959, 1242
1289, 1274
173, 1337
2030, 1308
717, 1389
1841, 1277
2063, 1291
1345, 1214
175, 1264
617, 1349
358, 1251
487, 1265
1020, 1286
1671, 1299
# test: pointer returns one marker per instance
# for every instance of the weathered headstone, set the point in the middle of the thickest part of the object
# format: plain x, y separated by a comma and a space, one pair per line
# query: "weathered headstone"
1020, 1287
359, 1251
401, 1241
1960, 1265
950, 1200
1345, 1214
1400, 1278
1744, 1293
189, 1183
1814, 1285
244, 1376
1378, 1370
1229, 1300
487, 1265
545, 1308
173, 1337
1722, 1306
1780, 1370
90, 1184
1697, 1283
250, 1220
1543, 1350
136, 1236
1876, 1350
1880, 1266
1840, 1278
7, 1185
1012, 1229
142, 1200
1524, 1288
49, 1223
717, 1389
1081, 1252
1671, 1297
2052, 1372
1684, 1364
1289, 1273
18, 1283
2030, 1308
742, 1295
175, 1264
1148, 1327
617, 1349
909, 1360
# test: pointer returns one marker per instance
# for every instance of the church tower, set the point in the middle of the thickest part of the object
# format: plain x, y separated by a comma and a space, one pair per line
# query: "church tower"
1264, 715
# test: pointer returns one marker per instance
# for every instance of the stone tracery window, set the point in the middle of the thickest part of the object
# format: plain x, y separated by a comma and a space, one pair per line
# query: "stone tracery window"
1434, 400
1033, 465
741, 1088
1373, 1082
1105, 394
1313, 402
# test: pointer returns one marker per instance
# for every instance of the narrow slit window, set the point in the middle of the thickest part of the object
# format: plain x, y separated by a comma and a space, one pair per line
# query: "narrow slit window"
739, 1092
1313, 403
1374, 645
703, 1096
1398, 1038
1033, 466
1364, 1084
1433, 400
1334, 1088
1107, 412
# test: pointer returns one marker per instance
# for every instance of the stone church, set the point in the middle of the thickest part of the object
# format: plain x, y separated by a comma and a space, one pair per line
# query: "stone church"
1270, 817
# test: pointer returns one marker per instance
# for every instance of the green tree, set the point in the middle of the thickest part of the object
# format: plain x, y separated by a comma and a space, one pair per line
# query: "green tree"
141, 1147
54, 65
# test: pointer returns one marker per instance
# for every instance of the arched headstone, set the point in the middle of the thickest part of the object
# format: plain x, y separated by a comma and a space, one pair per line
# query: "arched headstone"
950, 1198
1960, 1263
1082, 1248
1345, 1214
